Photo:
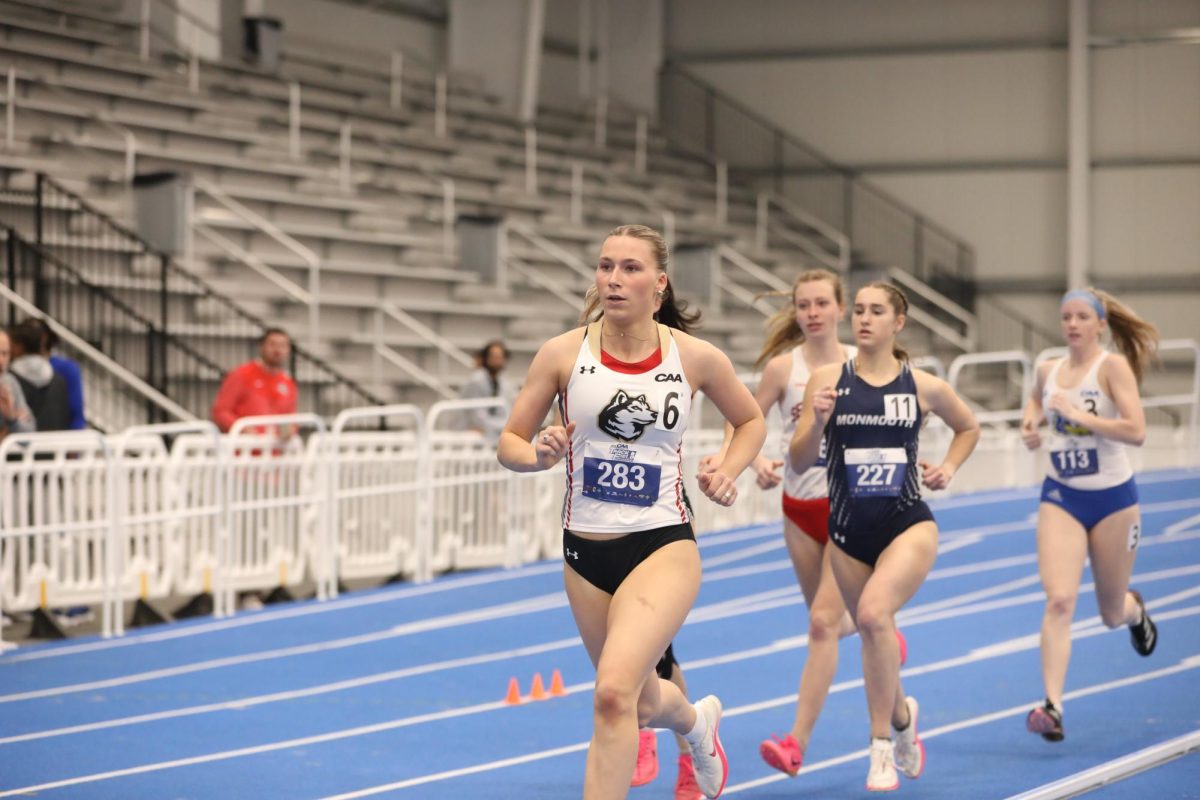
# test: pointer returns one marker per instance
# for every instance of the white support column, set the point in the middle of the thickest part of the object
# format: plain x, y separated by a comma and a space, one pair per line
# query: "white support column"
600, 81
1078, 148
531, 66
10, 109
577, 193
531, 158
144, 31
345, 166
439, 109
397, 86
601, 120
722, 192
294, 119
639, 153
585, 49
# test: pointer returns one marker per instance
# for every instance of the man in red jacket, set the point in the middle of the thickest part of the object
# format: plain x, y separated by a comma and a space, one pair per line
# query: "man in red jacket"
258, 387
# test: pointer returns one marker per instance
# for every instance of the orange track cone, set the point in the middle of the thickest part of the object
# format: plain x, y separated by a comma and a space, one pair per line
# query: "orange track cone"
538, 690
513, 698
556, 685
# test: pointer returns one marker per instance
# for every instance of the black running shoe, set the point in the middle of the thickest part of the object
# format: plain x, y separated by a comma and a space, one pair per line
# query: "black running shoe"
1046, 720
1144, 634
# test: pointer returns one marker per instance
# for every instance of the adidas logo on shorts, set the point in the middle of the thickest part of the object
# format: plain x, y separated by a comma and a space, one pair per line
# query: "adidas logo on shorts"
1055, 494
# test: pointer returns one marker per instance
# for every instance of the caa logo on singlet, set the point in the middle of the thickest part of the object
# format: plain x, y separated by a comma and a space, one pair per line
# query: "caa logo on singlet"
626, 417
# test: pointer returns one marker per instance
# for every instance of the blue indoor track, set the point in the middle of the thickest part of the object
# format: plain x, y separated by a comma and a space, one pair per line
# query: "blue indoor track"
398, 692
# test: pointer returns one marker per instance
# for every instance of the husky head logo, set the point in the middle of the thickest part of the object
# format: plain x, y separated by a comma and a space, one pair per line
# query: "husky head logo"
626, 417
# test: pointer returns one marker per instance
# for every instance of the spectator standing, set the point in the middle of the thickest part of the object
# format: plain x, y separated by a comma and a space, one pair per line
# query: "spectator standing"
66, 367
45, 391
259, 387
488, 380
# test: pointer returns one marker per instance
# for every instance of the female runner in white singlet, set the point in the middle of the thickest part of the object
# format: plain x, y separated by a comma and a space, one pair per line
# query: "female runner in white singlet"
1089, 505
632, 569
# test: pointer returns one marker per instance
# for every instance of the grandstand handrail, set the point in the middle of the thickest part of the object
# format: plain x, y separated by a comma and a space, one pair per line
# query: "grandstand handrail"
1019, 357
746, 296
572, 262
301, 356
838, 259
82, 346
747, 265
1029, 327
28, 443
122, 442
931, 363
268, 228
970, 321
537, 279
95, 115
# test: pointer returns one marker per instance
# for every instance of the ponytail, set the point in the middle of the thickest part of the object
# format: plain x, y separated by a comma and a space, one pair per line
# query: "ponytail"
1134, 337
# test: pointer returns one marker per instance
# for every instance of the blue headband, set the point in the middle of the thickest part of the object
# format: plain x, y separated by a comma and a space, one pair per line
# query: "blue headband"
1087, 297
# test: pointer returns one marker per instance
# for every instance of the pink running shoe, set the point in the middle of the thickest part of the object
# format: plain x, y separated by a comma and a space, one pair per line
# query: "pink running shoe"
782, 754
646, 769
903, 646
685, 784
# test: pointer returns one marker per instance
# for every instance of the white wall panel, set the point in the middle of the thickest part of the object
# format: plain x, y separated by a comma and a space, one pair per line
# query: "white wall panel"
902, 108
1014, 220
723, 26
1146, 101
1146, 221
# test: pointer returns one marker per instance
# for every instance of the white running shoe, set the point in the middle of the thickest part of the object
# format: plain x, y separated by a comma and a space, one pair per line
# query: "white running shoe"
909, 752
708, 757
882, 777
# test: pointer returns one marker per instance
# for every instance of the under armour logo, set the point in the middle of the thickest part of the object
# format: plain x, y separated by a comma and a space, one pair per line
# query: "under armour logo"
842, 392
570, 554
587, 370
840, 538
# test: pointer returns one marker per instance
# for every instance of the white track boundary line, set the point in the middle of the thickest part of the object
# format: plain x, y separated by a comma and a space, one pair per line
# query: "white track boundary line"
1192, 662
1115, 770
762, 601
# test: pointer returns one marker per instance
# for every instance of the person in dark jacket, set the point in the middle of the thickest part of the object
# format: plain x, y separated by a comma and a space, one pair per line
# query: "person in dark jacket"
45, 391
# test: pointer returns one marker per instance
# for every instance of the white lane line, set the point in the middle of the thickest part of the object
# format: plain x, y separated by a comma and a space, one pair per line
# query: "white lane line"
1182, 525
464, 711
275, 615
748, 604
920, 616
1183, 666
745, 552
543, 603
1115, 770
1186, 664
313, 691
450, 584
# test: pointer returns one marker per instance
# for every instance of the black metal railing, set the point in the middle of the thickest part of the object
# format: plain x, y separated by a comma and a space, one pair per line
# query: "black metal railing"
1002, 327
200, 332
106, 322
884, 231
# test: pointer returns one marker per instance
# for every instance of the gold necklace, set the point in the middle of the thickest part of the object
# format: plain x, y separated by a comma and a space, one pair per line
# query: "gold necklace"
623, 335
